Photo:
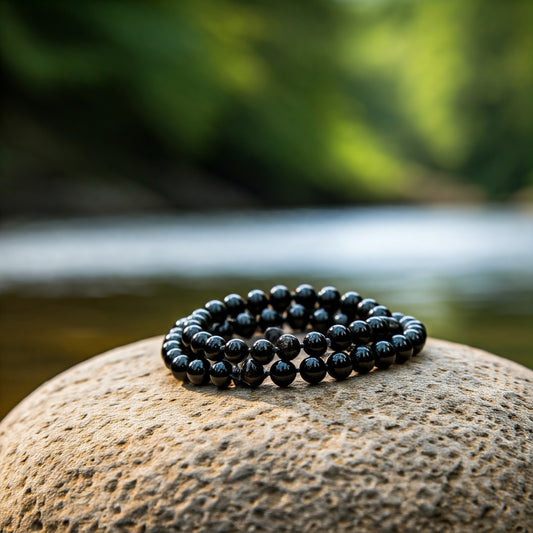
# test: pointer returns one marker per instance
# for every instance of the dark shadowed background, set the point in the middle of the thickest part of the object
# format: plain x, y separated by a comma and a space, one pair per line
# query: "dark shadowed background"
157, 154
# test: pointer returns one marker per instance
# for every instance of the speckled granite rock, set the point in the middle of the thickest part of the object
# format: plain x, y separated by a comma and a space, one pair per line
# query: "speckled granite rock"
443, 443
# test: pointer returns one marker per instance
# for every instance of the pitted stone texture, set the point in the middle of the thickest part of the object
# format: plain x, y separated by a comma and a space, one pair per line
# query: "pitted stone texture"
442, 443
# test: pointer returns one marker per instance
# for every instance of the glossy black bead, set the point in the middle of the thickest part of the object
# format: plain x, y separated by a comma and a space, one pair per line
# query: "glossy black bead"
365, 306
403, 347
398, 316
269, 318
349, 302
283, 373
385, 354
393, 325
169, 345
339, 336
417, 339
329, 298
257, 301
220, 374
173, 337
193, 321
380, 310
339, 365
262, 351
203, 316
252, 373
305, 295
313, 369
378, 327
199, 341
272, 334
298, 317
189, 332
280, 298
224, 330
288, 347
171, 354
416, 324
361, 332
245, 325
178, 367
214, 348
315, 344
321, 320
234, 304
342, 318
180, 323
236, 350
363, 359
217, 310
198, 371
406, 319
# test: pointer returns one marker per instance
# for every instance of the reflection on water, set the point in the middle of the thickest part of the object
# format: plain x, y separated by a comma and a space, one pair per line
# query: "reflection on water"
70, 290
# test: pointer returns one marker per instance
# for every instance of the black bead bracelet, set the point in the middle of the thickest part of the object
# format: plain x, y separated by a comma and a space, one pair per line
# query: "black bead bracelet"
356, 334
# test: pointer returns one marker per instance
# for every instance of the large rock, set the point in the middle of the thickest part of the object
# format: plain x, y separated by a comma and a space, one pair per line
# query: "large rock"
442, 443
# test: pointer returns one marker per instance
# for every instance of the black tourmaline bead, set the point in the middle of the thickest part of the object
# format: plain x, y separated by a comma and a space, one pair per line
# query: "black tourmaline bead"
342, 318
236, 350
385, 354
170, 345
280, 298
217, 310
252, 373
329, 298
305, 295
224, 330
214, 348
380, 310
313, 369
365, 306
403, 347
339, 365
363, 359
257, 301
189, 332
245, 325
288, 347
297, 317
417, 339
315, 344
171, 354
262, 351
203, 316
199, 341
349, 302
360, 331
320, 320
178, 367
379, 328
283, 373
269, 318
272, 334
198, 371
234, 304
340, 337
220, 374
393, 325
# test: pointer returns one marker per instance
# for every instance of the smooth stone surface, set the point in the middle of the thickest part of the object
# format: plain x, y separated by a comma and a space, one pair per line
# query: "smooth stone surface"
441, 443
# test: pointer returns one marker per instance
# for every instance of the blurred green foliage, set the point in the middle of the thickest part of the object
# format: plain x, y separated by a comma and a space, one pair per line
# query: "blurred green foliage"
308, 102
